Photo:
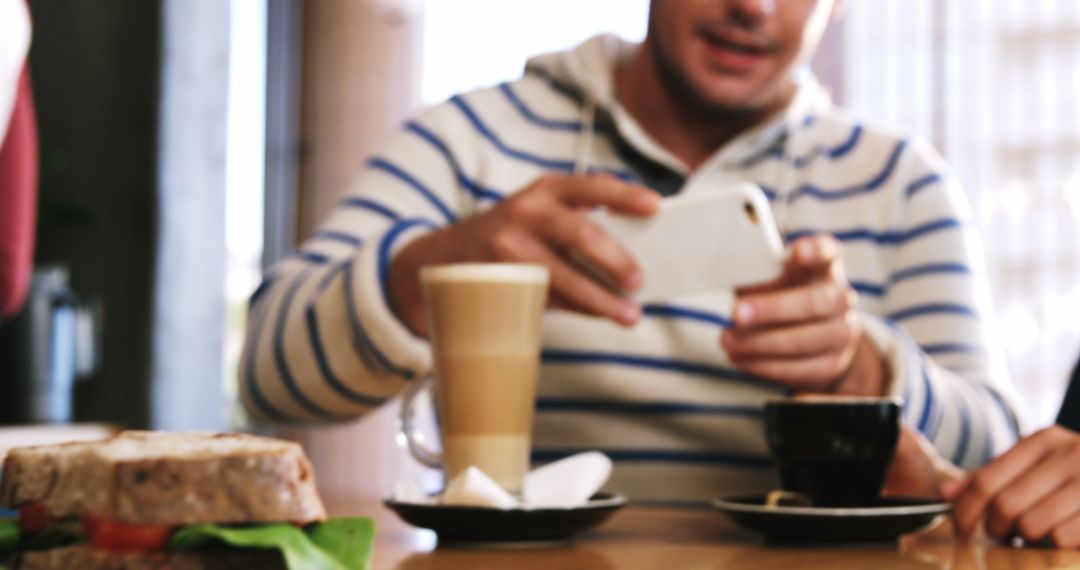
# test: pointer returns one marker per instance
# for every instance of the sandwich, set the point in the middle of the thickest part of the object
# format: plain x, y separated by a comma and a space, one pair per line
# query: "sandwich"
172, 501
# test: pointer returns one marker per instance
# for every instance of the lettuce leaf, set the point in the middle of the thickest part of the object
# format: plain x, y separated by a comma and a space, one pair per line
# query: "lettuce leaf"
349, 540
9, 539
338, 544
56, 534
9, 535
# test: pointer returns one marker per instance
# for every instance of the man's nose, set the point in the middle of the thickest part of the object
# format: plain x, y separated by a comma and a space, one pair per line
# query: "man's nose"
752, 11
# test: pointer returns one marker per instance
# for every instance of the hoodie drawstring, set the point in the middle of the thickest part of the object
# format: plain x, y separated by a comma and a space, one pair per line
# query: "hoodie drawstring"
583, 153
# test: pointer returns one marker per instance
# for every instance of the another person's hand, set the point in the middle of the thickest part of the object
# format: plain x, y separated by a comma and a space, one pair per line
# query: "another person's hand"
917, 469
802, 331
544, 223
1032, 491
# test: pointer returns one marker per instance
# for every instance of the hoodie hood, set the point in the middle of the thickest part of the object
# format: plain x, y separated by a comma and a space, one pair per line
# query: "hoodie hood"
589, 70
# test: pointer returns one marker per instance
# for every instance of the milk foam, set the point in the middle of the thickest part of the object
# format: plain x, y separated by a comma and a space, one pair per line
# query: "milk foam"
501, 272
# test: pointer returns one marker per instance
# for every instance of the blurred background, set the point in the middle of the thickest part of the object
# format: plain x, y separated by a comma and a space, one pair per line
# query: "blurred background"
186, 144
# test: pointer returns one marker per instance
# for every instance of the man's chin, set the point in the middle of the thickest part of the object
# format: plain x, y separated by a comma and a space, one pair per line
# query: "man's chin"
712, 92
730, 97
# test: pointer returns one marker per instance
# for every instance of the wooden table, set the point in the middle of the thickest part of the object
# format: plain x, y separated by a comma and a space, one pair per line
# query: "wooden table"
640, 537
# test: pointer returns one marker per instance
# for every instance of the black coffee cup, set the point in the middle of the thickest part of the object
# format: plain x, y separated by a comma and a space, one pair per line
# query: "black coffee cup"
835, 450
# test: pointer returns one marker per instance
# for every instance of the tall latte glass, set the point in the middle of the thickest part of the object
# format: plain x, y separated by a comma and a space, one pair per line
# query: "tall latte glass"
484, 323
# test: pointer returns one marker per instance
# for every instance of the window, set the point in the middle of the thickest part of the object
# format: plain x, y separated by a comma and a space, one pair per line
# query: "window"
994, 84
472, 43
243, 173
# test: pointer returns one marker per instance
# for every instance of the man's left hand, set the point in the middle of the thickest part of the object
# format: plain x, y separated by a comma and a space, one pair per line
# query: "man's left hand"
801, 330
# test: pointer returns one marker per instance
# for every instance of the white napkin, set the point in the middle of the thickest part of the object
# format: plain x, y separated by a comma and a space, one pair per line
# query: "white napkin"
564, 484
568, 482
473, 488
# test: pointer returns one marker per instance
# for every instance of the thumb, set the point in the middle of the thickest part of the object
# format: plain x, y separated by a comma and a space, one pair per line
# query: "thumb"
812, 257
951, 489
815, 251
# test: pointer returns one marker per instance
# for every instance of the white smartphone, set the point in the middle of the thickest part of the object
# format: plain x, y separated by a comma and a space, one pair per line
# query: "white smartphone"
714, 238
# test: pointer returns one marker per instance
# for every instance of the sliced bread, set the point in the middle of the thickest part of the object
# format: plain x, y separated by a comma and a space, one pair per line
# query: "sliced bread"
167, 478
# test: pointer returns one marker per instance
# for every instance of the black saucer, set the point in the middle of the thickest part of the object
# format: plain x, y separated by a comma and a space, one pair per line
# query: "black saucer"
488, 525
884, 521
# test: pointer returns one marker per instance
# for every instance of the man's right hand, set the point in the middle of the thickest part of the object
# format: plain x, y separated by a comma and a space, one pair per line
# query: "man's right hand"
542, 224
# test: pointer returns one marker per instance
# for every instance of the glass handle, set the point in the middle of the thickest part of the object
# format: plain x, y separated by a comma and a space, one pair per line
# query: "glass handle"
413, 437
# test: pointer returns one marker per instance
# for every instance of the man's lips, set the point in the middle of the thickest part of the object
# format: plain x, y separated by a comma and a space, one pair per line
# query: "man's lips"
735, 52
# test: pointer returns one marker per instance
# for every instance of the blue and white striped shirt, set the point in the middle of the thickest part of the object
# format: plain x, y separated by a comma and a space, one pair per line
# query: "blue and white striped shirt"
661, 399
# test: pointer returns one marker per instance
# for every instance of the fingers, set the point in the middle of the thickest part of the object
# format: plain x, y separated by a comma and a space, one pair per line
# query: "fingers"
984, 486
1019, 497
807, 338
950, 489
814, 252
811, 301
811, 257
607, 191
1055, 507
813, 287
569, 287
554, 211
808, 373
1043, 496
573, 231
1067, 535
805, 356
801, 330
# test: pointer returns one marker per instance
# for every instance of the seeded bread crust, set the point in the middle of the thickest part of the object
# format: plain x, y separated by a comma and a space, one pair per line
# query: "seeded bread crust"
83, 557
167, 478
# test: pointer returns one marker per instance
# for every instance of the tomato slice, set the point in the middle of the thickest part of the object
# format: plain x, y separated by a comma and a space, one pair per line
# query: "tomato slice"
105, 534
33, 518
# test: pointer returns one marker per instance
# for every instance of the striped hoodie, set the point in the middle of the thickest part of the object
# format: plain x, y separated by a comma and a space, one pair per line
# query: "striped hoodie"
661, 399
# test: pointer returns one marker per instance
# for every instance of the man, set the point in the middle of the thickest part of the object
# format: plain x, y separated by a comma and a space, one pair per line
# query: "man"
672, 391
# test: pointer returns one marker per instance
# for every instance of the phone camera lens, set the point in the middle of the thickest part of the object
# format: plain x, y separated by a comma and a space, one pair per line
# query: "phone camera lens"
750, 212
